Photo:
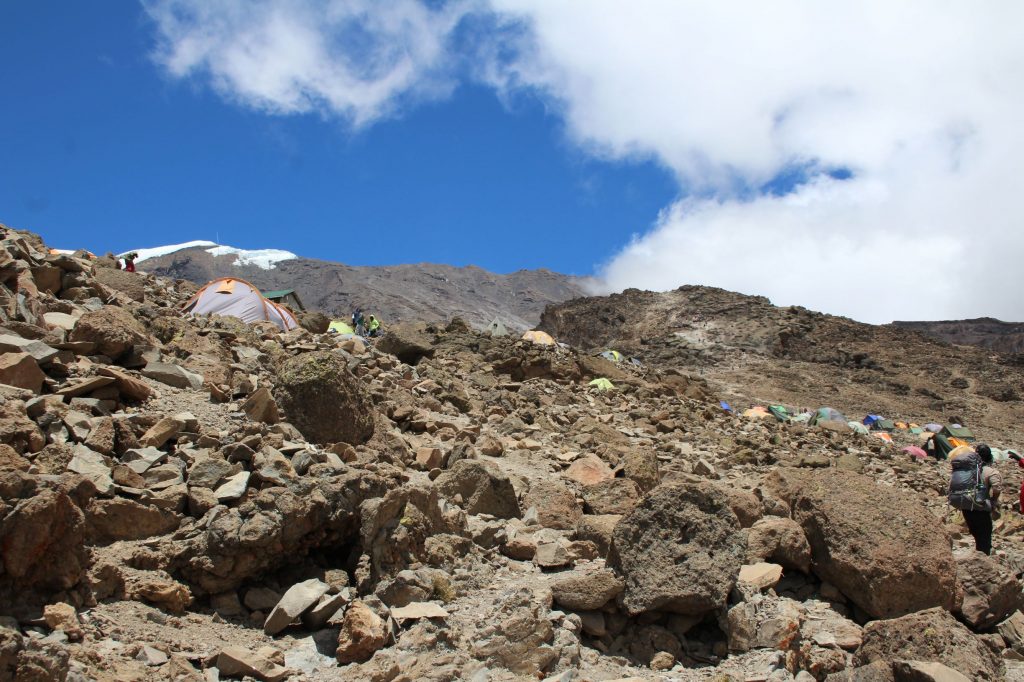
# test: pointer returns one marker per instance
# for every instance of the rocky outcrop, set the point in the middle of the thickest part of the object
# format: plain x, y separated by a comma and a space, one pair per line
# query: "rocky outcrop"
679, 550
990, 592
321, 397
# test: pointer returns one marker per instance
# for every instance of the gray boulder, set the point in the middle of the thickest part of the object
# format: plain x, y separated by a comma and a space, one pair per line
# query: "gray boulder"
679, 550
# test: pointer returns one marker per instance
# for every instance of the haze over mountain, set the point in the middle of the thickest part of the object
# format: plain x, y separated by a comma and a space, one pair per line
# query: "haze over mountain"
424, 291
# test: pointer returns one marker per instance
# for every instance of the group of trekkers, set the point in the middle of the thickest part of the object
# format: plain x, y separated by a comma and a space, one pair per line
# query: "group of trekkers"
365, 326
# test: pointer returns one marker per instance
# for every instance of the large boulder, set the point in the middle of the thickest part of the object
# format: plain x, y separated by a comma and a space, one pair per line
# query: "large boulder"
323, 399
406, 342
931, 635
780, 540
114, 330
41, 543
679, 550
123, 519
889, 559
17, 430
21, 370
481, 487
990, 592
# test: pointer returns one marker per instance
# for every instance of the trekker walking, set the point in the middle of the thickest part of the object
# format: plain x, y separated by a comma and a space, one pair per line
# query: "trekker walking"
129, 261
974, 490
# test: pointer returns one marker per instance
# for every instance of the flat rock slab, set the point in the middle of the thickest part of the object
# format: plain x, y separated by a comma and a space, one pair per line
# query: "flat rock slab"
173, 375
761, 575
40, 352
233, 488
294, 603
235, 661
418, 610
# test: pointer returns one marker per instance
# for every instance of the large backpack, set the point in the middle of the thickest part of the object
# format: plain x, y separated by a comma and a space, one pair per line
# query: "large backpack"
967, 489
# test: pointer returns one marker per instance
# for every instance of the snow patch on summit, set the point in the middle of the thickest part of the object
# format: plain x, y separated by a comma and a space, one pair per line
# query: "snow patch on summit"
261, 258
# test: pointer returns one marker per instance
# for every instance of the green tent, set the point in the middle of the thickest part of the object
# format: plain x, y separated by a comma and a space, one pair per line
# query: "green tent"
961, 432
340, 327
780, 412
602, 384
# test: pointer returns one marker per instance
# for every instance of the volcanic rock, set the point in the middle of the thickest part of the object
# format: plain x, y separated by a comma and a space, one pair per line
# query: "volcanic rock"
483, 488
323, 400
679, 550
113, 329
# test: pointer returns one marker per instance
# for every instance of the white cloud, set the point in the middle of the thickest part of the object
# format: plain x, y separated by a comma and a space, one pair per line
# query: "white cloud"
350, 58
919, 100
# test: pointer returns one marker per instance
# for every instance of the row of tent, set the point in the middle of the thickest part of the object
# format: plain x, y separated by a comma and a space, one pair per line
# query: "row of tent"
872, 423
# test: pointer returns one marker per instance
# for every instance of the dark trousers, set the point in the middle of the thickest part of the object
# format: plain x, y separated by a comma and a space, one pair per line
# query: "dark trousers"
980, 525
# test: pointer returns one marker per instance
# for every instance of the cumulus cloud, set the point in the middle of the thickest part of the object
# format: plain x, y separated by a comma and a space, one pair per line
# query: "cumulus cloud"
355, 59
915, 103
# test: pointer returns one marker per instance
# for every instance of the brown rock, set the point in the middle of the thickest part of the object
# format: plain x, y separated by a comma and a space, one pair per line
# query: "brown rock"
114, 330
484, 489
613, 496
161, 432
642, 467
428, 458
45, 526
260, 406
931, 635
555, 504
362, 634
925, 671
129, 386
780, 540
888, 559
21, 370
10, 460
323, 400
588, 470
990, 592
585, 590
123, 519
236, 661
680, 550
61, 616
598, 529
128, 283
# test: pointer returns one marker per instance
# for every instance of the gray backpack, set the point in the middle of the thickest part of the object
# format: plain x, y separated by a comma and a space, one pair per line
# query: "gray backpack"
967, 489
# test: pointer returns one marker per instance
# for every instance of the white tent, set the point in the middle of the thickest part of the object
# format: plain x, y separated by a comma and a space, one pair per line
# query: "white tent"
237, 298
497, 328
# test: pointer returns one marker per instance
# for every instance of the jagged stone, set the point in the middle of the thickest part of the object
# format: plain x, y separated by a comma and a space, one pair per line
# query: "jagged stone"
294, 603
173, 375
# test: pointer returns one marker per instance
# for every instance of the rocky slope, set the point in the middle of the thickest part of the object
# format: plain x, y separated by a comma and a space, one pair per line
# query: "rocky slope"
1004, 337
195, 499
751, 349
425, 292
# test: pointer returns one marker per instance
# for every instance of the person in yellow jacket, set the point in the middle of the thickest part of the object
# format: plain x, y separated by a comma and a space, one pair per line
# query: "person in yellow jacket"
373, 327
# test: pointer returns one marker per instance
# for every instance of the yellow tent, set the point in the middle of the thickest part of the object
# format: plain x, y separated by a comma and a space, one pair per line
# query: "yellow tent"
539, 337
339, 327
602, 384
758, 412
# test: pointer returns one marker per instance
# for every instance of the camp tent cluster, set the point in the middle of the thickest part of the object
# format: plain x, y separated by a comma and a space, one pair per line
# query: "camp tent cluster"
234, 297
948, 441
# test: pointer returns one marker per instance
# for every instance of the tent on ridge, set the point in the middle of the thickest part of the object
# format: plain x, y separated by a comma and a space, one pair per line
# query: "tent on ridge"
340, 327
780, 412
539, 337
883, 424
612, 355
870, 420
237, 298
827, 414
497, 328
602, 384
933, 427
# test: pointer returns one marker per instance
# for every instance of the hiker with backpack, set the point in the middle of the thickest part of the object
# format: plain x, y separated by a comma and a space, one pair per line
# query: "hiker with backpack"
974, 490
358, 322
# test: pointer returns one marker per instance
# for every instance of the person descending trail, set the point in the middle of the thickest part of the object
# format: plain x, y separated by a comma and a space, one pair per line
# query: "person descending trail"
373, 329
129, 261
974, 490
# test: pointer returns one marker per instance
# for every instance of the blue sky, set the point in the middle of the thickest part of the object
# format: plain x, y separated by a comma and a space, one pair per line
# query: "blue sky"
103, 150
834, 156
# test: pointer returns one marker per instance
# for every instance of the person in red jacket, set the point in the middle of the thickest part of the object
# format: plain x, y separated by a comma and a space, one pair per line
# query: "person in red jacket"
129, 261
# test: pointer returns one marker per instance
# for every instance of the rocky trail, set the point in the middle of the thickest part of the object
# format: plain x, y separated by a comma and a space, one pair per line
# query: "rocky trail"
200, 499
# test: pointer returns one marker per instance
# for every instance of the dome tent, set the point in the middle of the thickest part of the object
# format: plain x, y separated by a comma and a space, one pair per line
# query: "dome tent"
237, 298
539, 337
